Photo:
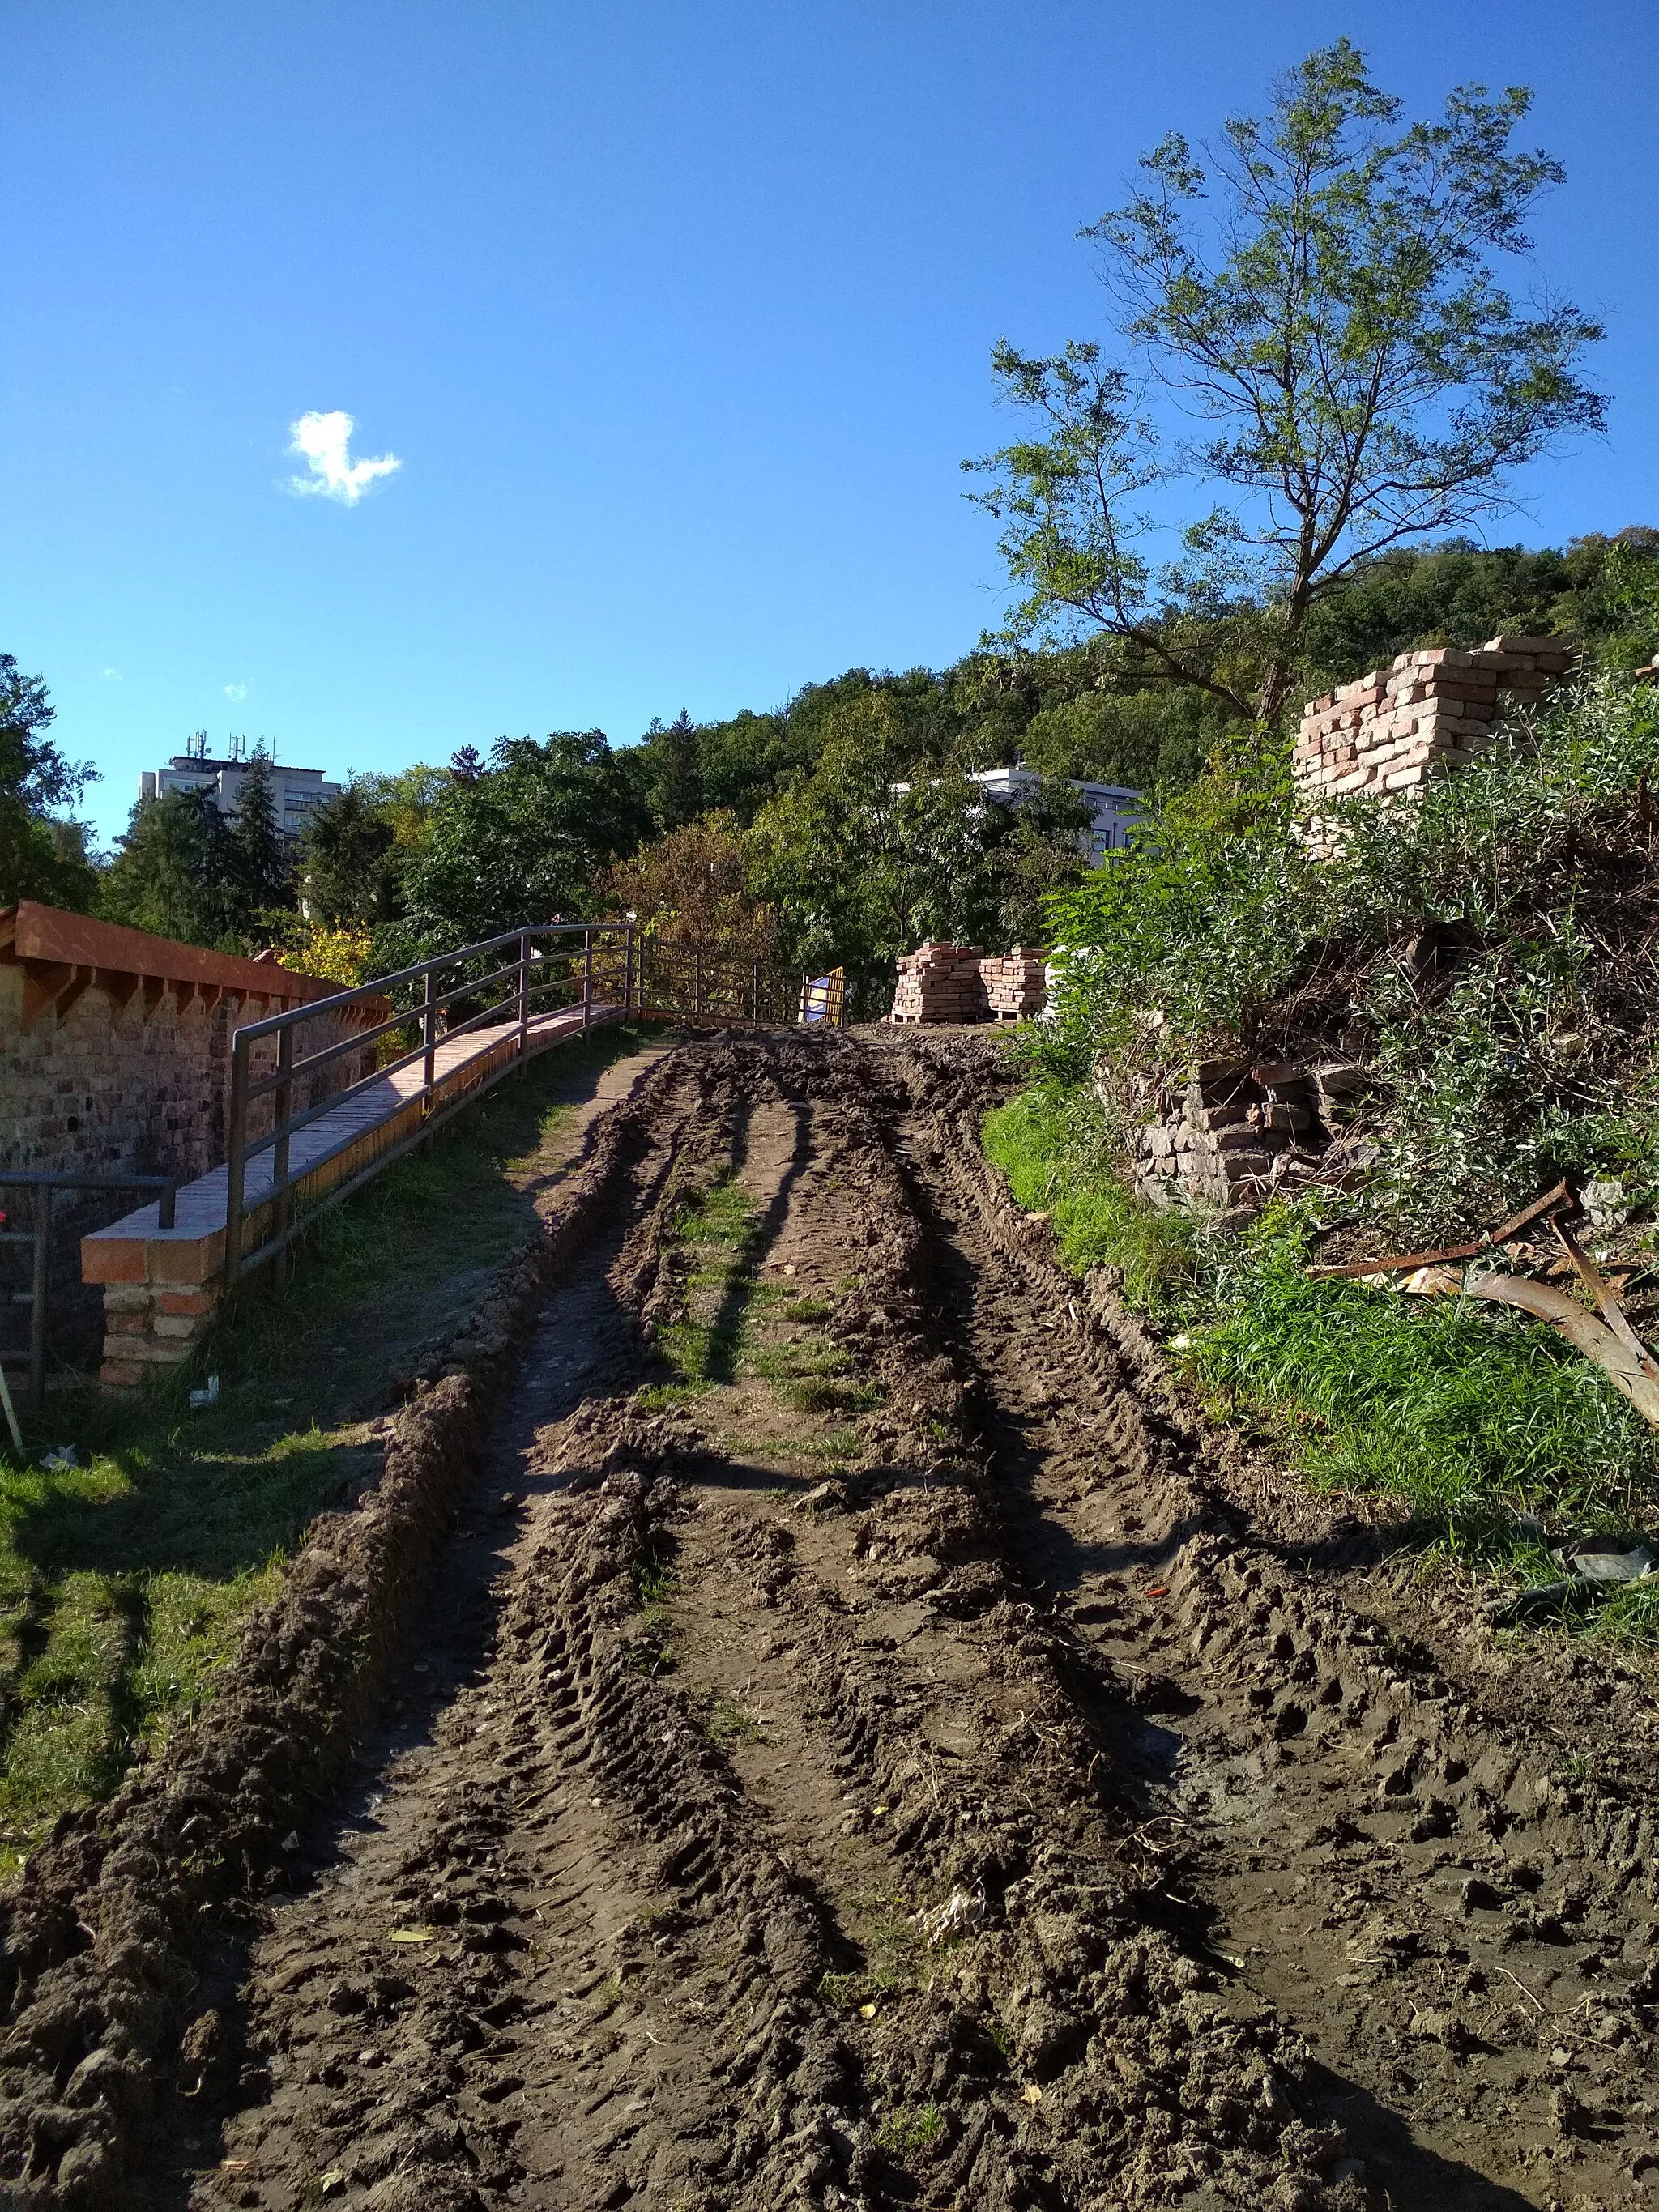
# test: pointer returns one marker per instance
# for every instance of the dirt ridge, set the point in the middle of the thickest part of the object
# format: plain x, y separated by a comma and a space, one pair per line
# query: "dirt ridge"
103, 1956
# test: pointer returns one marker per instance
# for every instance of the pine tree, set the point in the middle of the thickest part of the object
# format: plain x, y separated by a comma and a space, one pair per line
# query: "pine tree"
677, 789
261, 864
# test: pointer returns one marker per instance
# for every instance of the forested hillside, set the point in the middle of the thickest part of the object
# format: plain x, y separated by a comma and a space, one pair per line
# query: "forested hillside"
795, 803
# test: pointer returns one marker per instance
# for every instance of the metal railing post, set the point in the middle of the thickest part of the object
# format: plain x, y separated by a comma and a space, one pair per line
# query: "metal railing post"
38, 1311
628, 969
524, 994
696, 982
235, 1157
587, 974
429, 1038
754, 996
282, 1099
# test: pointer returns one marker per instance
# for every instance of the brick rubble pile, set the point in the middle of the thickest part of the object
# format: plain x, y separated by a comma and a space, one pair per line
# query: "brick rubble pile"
959, 983
1243, 1130
939, 983
1390, 730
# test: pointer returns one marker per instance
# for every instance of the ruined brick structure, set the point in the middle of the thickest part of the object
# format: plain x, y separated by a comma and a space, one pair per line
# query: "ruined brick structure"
1389, 732
1241, 1131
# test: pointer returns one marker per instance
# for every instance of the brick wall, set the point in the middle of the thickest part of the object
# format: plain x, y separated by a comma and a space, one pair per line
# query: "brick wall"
1427, 712
115, 1060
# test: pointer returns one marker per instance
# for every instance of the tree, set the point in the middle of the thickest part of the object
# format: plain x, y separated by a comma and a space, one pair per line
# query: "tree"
260, 873
693, 887
175, 872
520, 842
1359, 377
41, 858
677, 780
868, 856
348, 875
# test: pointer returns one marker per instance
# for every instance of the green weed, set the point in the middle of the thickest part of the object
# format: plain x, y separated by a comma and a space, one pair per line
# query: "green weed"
910, 2130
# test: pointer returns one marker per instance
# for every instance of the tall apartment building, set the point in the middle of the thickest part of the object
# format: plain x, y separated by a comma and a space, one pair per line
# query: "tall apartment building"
297, 792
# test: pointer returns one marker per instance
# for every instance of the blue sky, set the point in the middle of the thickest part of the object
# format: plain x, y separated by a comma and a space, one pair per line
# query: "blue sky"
677, 317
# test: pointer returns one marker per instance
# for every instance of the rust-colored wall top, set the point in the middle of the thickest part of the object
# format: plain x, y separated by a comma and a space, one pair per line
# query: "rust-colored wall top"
29, 931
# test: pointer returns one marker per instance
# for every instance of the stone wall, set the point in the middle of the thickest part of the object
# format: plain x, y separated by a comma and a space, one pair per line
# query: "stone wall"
115, 1060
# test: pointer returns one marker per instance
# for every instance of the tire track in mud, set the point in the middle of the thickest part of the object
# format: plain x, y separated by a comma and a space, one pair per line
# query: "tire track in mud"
1009, 1820
1471, 1948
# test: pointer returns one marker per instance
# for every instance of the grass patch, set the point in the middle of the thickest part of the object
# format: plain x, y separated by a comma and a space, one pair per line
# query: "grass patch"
722, 1228
1429, 1398
123, 1581
1487, 1424
724, 1720
911, 2130
1056, 1151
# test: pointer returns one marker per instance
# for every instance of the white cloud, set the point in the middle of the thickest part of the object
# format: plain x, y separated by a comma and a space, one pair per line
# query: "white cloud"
236, 691
321, 441
112, 676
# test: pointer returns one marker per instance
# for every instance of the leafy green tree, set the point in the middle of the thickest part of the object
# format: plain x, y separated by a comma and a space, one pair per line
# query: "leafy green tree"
523, 841
1360, 378
348, 872
41, 857
1143, 740
866, 857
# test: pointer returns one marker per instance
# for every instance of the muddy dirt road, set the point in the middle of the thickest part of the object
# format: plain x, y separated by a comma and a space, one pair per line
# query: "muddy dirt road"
913, 1770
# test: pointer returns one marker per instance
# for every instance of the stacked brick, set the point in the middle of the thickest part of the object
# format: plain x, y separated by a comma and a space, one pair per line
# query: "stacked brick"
1016, 983
940, 983
1228, 1142
1435, 710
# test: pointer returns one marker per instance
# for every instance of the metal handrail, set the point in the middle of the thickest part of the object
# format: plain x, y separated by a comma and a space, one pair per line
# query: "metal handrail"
35, 1298
615, 955
567, 944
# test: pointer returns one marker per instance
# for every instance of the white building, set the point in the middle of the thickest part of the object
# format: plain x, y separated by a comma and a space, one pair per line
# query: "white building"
1113, 810
297, 793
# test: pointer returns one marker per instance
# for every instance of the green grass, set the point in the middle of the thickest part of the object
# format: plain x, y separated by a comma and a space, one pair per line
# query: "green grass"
910, 2130
1050, 1145
1429, 1398
1487, 1425
720, 1228
724, 1720
123, 1582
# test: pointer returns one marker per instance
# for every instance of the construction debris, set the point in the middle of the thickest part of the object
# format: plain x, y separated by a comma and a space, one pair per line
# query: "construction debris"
1633, 1373
940, 983
1399, 1263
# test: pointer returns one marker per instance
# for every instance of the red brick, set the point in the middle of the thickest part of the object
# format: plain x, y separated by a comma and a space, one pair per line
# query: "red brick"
112, 1260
